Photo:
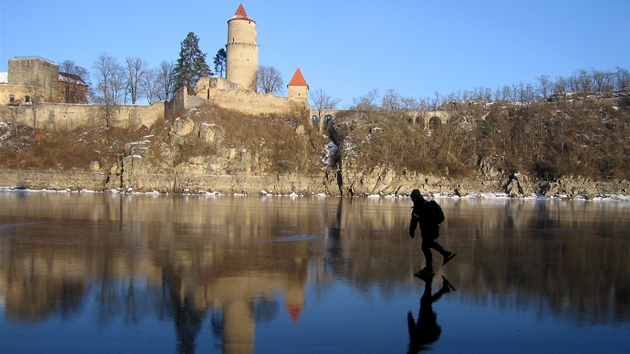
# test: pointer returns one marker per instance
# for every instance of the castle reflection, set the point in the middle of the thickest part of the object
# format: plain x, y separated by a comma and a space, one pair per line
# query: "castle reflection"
242, 260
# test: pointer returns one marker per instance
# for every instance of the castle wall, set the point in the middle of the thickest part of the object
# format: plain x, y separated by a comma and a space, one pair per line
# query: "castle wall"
249, 102
19, 93
136, 116
52, 116
226, 94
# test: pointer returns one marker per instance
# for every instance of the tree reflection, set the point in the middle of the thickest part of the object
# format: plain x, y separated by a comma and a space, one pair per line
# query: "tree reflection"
186, 317
187, 258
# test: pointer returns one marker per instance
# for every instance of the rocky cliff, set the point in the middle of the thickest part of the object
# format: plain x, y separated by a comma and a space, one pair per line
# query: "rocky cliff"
136, 176
194, 154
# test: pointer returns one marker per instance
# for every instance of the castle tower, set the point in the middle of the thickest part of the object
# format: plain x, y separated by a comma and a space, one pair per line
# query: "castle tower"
242, 50
297, 88
35, 72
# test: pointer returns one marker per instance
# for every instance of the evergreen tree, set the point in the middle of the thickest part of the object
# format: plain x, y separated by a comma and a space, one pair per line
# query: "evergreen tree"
191, 65
220, 61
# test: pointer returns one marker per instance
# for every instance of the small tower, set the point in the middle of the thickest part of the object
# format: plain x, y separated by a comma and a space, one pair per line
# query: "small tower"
297, 88
242, 50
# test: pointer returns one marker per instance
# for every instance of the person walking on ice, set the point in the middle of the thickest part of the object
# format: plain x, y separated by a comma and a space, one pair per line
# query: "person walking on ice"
425, 214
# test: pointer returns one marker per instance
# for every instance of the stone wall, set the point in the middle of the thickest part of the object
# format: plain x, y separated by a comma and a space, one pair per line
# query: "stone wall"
34, 71
19, 93
249, 102
225, 94
134, 117
54, 116
72, 92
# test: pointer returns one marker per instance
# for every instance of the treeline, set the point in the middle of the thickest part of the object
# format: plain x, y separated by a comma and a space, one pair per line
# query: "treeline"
127, 83
571, 127
581, 84
135, 80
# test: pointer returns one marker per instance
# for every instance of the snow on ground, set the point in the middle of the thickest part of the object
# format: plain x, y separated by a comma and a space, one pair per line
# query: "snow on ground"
264, 193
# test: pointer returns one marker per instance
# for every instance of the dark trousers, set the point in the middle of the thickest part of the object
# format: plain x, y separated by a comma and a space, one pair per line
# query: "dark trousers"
427, 244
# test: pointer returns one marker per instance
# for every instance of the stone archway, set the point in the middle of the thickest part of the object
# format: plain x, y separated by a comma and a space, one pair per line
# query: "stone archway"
419, 120
434, 123
315, 120
329, 120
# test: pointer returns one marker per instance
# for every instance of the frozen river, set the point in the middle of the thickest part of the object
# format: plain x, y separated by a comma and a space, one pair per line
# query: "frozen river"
120, 273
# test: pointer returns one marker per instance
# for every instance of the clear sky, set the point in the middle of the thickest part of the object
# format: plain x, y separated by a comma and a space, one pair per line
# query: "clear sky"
345, 47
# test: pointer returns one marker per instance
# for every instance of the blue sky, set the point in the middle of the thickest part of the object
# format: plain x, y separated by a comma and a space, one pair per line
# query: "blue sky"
346, 48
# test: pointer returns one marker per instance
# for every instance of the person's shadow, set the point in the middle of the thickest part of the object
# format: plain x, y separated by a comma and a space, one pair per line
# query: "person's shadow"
426, 330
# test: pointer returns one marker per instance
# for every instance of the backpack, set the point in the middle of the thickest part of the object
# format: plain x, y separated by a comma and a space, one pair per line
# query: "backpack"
438, 211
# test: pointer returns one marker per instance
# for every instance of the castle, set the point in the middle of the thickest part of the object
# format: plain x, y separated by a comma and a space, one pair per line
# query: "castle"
34, 79
35, 93
237, 90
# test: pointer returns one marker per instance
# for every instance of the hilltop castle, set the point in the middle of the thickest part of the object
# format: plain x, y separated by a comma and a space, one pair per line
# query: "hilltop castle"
237, 90
34, 79
37, 80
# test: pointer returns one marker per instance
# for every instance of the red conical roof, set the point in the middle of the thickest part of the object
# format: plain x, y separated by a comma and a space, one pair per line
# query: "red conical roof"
297, 79
294, 311
241, 14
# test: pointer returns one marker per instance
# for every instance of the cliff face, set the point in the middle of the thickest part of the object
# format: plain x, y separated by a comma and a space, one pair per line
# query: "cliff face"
138, 176
214, 152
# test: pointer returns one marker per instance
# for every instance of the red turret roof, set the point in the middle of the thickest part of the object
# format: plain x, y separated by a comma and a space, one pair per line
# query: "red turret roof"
294, 311
241, 14
298, 79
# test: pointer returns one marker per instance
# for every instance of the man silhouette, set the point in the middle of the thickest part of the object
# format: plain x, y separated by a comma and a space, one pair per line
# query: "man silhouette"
424, 215
426, 330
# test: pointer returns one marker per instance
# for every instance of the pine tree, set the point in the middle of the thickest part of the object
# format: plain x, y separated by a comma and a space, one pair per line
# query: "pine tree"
220, 61
191, 65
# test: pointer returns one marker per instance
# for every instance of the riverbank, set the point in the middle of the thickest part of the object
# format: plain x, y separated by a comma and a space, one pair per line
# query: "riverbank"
324, 184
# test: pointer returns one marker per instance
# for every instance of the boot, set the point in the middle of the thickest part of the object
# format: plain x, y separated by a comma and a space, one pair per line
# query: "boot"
446, 286
448, 256
428, 270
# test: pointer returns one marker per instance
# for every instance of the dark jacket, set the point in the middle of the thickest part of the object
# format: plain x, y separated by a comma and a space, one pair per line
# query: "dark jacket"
423, 214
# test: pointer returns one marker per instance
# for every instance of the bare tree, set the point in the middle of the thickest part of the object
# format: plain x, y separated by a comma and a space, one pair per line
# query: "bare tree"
507, 94
109, 77
269, 80
585, 82
603, 83
622, 81
69, 67
322, 102
366, 104
391, 102
544, 86
400, 109
149, 85
435, 103
135, 71
165, 80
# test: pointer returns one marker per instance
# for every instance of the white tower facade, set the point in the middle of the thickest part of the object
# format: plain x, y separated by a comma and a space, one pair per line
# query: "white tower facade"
242, 50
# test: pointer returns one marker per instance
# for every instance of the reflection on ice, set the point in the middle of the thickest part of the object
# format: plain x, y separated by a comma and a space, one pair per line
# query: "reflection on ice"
234, 271
293, 238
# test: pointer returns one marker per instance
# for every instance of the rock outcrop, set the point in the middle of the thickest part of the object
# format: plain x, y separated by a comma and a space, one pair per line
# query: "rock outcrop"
194, 158
135, 175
